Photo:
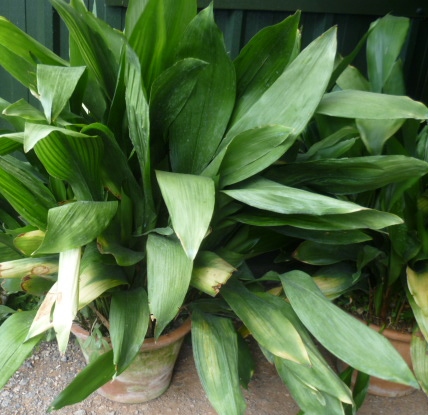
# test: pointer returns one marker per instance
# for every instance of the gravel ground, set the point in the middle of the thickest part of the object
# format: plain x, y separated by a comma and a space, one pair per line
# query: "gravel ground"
44, 374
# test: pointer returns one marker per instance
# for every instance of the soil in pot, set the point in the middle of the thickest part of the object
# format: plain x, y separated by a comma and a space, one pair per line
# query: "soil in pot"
150, 373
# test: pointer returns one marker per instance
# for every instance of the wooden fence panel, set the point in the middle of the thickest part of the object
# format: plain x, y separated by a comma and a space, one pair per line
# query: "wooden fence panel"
240, 20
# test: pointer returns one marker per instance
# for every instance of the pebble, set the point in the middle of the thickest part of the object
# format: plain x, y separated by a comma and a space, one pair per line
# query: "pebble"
80, 412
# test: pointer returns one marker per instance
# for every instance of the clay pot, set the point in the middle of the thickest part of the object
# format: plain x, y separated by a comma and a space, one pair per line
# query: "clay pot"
380, 387
150, 373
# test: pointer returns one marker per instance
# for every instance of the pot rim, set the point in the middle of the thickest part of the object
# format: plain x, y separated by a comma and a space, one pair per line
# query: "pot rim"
149, 343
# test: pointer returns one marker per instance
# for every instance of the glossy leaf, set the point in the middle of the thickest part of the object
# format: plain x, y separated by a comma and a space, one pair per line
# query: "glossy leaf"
16, 58
199, 128
417, 282
262, 61
190, 201
252, 151
13, 347
67, 299
169, 271
272, 196
343, 335
55, 85
351, 175
25, 191
384, 45
97, 276
277, 334
372, 219
76, 224
301, 85
22, 109
88, 380
371, 106
164, 23
215, 350
98, 43
69, 156
129, 319
209, 273
137, 110
419, 353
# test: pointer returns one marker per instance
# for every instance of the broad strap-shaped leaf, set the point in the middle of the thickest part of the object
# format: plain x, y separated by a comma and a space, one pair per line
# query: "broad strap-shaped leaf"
169, 94
55, 85
67, 299
350, 175
368, 218
92, 377
97, 276
72, 157
198, 130
169, 271
99, 44
417, 281
13, 347
252, 151
129, 319
419, 353
164, 23
76, 224
24, 190
371, 106
269, 195
19, 268
21, 56
262, 61
209, 273
375, 133
384, 45
343, 335
277, 334
215, 349
301, 85
190, 201
137, 109
23, 109
310, 399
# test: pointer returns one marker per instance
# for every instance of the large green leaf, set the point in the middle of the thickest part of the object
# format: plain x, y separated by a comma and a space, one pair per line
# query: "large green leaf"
419, 353
215, 349
97, 276
252, 151
384, 45
169, 95
371, 105
268, 195
276, 333
198, 130
67, 295
129, 319
169, 271
22, 109
164, 23
13, 347
70, 156
55, 85
190, 201
20, 54
263, 60
76, 224
368, 218
301, 85
343, 335
24, 190
98, 43
375, 133
92, 377
350, 175
137, 109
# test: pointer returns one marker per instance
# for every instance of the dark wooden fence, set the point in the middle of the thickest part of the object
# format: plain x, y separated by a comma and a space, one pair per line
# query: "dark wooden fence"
240, 20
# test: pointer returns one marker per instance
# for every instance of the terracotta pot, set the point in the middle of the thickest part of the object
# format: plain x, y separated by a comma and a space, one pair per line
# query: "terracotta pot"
380, 387
150, 373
